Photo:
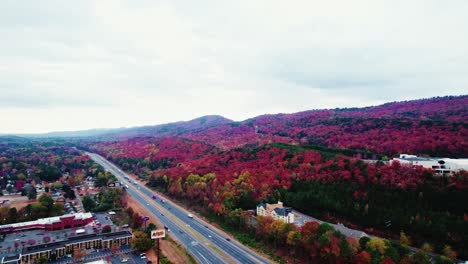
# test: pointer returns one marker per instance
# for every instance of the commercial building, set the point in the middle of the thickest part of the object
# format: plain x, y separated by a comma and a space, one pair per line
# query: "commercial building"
276, 211
66, 247
11, 259
441, 166
50, 224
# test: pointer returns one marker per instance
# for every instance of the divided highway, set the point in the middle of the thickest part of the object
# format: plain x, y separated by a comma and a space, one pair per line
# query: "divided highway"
204, 242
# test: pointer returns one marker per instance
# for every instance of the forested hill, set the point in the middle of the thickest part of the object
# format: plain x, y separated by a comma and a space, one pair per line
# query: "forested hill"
162, 130
436, 126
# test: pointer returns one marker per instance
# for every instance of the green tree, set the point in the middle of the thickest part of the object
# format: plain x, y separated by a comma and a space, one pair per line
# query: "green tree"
377, 244
88, 203
448, 252
442, 260
141, 241
363, 242
47, 201
57, 209
293, 241
32, 194
150, 227
426, 247
345, 249
12, 215
100, 181
420, 257
404, 239
56, 185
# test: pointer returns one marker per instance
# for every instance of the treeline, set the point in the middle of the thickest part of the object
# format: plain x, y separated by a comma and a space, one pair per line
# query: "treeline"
427, 213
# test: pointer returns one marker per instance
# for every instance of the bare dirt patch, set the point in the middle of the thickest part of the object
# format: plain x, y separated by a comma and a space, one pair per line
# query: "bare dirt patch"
20, 203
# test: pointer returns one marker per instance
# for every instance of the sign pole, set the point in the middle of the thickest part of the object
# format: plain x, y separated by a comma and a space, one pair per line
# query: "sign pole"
157, 234
157, 242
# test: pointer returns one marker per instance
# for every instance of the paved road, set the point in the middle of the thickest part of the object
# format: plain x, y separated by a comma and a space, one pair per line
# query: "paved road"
205, 243
301, 219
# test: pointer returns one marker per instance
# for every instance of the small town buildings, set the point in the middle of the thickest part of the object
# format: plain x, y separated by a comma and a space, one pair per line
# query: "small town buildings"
276, 211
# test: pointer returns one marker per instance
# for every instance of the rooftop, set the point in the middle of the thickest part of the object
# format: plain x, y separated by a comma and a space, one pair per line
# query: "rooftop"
11, 257
283, 211
418, 159
49, 220
75, 239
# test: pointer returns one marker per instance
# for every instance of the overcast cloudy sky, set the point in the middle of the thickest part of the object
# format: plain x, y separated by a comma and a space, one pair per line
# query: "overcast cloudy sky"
68, 65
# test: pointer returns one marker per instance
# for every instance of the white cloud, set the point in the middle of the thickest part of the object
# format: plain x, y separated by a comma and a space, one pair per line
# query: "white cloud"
141, 62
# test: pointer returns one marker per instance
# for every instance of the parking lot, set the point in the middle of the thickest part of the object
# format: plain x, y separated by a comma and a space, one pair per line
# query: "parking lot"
101, 220
15, 242
124, 253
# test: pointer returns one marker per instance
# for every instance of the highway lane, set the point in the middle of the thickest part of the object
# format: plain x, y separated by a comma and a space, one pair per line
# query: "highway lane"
204, 242
199, 250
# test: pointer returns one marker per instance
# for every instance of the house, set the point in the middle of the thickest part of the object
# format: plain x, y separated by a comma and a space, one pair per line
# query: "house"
276, 211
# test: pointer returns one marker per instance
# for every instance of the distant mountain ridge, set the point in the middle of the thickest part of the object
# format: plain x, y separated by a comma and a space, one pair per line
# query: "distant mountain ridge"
169, 129
434, 126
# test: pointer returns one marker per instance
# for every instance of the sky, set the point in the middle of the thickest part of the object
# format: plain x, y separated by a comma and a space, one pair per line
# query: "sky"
72, 65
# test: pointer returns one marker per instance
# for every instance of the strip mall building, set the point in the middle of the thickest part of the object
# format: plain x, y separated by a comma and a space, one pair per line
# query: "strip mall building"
49, 224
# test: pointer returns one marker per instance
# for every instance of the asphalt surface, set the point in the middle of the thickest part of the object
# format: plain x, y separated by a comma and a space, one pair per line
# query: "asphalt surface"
125, 251
205, 243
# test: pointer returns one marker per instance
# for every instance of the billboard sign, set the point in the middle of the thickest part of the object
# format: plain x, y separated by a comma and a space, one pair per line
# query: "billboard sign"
114, 184
158, 233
